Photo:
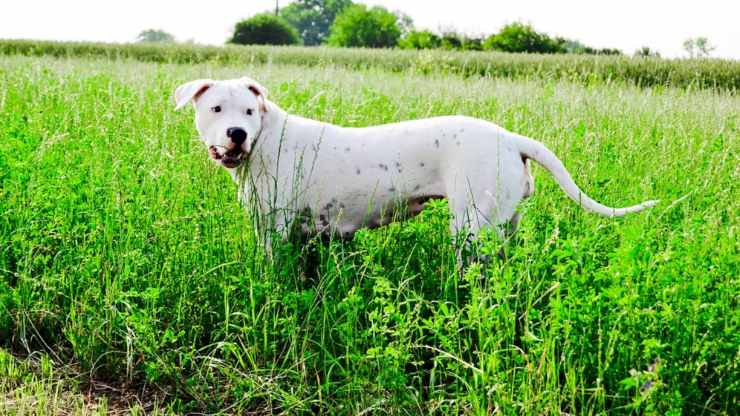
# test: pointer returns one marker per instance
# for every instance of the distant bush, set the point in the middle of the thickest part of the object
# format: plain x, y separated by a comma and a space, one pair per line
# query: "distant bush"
717, 74
516, 37
575, 46
608, 51
451, 41
155, 35
420, 39
358, 26
521, 37
646, 52
472, 43
265, 29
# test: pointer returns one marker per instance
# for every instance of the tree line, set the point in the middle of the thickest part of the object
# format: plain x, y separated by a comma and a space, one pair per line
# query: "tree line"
343, 23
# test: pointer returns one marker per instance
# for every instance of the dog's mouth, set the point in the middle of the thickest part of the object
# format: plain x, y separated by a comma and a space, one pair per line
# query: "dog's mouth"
231, 158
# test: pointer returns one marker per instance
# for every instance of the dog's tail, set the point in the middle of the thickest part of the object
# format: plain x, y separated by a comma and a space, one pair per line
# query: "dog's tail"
536, 151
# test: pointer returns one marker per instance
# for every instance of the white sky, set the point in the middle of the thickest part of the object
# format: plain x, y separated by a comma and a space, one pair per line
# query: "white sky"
625, 24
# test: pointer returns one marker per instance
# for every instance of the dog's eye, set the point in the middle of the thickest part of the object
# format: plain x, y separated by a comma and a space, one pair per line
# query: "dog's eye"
249, 111
216, 109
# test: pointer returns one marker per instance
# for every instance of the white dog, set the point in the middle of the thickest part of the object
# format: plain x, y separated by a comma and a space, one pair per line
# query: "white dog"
343, 179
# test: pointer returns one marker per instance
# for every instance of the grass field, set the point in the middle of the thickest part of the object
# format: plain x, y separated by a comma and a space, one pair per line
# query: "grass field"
716, 74
129, 275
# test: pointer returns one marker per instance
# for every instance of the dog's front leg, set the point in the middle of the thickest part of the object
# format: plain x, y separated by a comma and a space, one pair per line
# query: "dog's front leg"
275, 230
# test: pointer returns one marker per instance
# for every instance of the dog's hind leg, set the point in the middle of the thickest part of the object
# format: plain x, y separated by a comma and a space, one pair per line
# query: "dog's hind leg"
469, 219
508, 230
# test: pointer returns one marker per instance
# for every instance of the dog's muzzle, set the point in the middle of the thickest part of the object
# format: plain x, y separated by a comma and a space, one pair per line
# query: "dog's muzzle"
232, 158
239, 149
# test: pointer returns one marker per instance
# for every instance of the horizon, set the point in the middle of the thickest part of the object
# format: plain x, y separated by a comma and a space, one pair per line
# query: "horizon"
595, 25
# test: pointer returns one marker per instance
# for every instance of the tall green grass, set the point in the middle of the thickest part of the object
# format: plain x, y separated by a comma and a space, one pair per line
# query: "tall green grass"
123, 250
715, 74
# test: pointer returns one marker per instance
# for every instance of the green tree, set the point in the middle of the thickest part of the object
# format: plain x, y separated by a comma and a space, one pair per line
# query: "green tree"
155, 35
313, 18
358, 26
264, 29
405, 22
690, 46
521, 37
698, 47
704, 47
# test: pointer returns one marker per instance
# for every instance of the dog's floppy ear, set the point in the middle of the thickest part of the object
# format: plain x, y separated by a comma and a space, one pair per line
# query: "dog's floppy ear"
254, 86
191, 91
258, 90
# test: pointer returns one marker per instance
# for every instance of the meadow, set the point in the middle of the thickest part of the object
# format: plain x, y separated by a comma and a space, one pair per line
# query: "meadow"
716, 74
131, 280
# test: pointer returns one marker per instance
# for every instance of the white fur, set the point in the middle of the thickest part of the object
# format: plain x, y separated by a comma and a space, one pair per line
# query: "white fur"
348, 178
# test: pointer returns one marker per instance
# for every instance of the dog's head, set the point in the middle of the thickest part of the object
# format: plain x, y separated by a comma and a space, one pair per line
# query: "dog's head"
229, 115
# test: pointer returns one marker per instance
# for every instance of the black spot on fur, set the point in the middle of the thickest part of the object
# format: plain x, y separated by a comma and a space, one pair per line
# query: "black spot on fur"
357, 171
347, 149
341, 206
383, 166
392, 189
399, 167
436, 143
417, 187
421, 164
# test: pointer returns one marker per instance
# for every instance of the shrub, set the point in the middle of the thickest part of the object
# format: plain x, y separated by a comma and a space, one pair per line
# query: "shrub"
451, 41
265, 29
472, 43
359, 26
420, 39
521, 37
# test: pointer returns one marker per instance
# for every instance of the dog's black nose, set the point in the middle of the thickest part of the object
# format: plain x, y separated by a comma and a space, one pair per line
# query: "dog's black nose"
236, 134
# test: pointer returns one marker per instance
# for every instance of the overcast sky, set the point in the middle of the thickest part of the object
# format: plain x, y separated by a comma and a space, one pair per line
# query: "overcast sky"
625, 24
